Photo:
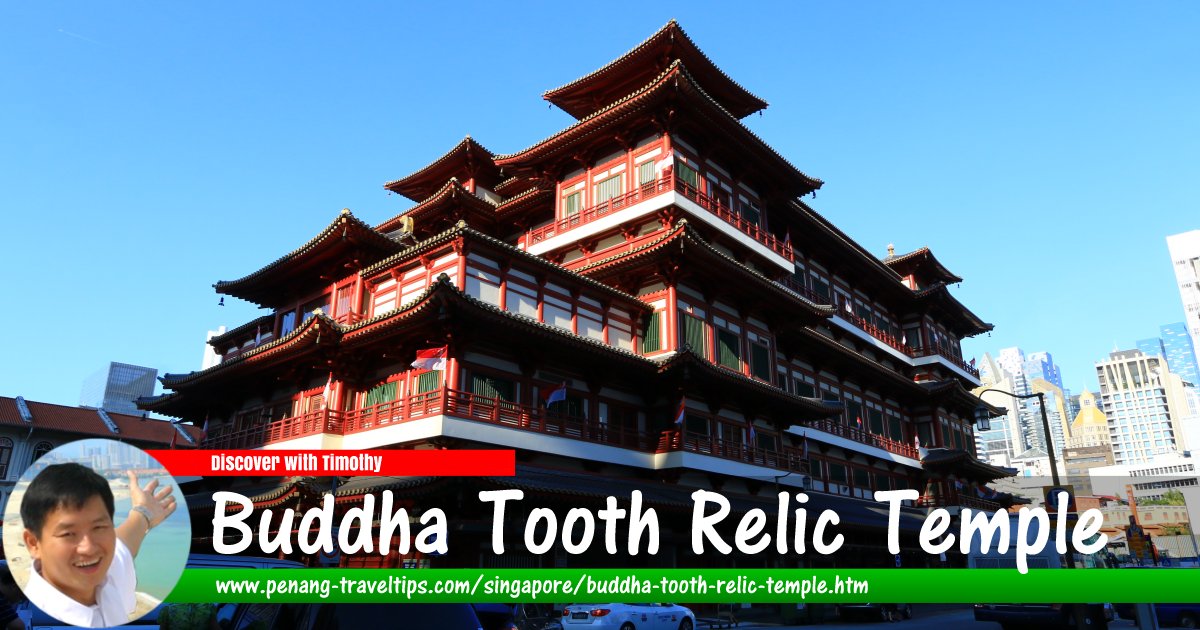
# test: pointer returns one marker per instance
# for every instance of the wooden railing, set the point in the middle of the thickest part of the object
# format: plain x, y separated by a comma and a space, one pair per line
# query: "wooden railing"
312, 423
349, 318
962, 500
727, 214
865, 437
929, 351
789, 459
666, 183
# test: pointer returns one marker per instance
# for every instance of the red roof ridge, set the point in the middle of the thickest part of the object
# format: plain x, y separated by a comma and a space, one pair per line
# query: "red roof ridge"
754, 103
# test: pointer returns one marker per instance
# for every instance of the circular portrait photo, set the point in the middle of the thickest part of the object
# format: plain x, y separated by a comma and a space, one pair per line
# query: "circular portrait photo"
92, 533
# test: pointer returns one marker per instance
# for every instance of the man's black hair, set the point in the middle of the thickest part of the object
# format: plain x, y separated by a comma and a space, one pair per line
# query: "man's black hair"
62, 485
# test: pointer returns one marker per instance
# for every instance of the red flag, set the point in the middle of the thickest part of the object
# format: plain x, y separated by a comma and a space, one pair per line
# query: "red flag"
431, 359
682, 413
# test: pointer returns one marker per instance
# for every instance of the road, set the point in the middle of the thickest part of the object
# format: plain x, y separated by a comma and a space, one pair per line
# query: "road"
937, 618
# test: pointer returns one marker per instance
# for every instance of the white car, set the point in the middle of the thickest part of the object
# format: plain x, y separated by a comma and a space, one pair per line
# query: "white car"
628, 617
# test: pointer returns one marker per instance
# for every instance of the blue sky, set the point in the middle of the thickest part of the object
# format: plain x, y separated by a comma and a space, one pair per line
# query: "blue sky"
149, 149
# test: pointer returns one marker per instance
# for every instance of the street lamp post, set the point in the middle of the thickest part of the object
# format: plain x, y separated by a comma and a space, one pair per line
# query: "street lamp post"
1078, 612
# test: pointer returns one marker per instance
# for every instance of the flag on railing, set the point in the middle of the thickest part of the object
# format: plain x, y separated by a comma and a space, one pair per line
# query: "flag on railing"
431, 359
666, 162
972, 361
204, 430
750, 435
258, 334
958, 485
858, 419
681, 413
558, 394
803, 446
174, 435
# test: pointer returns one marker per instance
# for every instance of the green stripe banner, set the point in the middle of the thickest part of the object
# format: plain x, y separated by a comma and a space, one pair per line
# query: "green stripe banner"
978, 586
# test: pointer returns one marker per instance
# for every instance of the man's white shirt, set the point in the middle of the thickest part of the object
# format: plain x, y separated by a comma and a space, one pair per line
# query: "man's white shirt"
116, 598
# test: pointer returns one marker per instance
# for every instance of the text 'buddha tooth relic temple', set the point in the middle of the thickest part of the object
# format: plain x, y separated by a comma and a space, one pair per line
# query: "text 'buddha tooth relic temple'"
641, 301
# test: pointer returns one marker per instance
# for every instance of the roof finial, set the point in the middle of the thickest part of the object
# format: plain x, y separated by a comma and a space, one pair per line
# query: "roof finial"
345, 211
891, 250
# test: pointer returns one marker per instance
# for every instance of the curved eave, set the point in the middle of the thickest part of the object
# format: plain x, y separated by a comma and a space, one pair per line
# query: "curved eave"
676, 85
531, 199
963, 463
465, 231
887, 276
447, 197
467, 155
686, 361
578, 97
230, 336
304, 337
689, 242
921, 259
952, 389
346, 234
967, 324
855, 359
513, 186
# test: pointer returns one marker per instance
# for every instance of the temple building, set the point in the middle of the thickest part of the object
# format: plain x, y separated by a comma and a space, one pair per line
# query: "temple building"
642, 301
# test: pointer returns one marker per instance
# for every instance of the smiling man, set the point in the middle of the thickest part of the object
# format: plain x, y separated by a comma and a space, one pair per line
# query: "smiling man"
83, 570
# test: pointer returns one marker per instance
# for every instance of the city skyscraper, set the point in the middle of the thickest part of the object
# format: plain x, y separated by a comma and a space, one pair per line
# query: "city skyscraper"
1180, 352
116, 387
1185, 259
1145, 406
1023, 374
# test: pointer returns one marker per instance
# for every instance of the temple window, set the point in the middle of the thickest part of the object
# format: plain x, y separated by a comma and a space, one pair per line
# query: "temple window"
427, 381
750, 211
310, 309
609, 188
572, 203
287, 323
760, 357
686, 174
645, 172
652, 342
729, 349
694, 334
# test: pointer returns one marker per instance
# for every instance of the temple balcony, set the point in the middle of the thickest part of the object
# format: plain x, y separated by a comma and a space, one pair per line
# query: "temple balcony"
884, 340
854, 439
960, 501
788, 459
648, 198
453, 413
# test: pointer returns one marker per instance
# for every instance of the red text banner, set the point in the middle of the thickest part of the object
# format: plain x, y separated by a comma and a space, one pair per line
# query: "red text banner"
277, 463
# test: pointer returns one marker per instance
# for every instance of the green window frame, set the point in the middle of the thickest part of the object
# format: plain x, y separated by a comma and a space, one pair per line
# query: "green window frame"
608, 189
694, 334
760, 361
645, 172
729, 349
652, 341
492, 387
572, 203
428, 382
876, 421
381, 393
862, 478
837, 472
686, 174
